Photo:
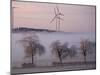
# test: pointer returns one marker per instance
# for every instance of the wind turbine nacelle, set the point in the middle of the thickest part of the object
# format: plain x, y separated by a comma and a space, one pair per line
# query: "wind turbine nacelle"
61, 14
59, 18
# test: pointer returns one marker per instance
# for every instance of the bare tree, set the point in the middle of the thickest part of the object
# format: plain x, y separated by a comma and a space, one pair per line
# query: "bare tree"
83, 46
32, 47
87, 47
62, 51
56, 48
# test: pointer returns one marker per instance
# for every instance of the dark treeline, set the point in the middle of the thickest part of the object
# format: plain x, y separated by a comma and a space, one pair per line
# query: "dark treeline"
24, 29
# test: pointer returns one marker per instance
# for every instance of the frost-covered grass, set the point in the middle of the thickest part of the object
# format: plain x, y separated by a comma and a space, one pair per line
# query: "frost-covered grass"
69, 67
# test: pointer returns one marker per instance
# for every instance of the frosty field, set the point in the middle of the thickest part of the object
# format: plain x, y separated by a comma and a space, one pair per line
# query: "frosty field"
54, 68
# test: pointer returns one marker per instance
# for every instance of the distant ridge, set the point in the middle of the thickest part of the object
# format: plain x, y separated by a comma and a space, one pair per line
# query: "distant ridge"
24, 29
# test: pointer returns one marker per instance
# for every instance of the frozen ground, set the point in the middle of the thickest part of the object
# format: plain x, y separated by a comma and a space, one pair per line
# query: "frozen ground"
54, 68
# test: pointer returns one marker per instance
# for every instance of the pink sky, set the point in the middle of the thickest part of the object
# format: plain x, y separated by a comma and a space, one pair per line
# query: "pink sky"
38, 15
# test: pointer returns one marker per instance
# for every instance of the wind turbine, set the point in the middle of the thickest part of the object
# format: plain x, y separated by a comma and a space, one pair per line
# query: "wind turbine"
57, 17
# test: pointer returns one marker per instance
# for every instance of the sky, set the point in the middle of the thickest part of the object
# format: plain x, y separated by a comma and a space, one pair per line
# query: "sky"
77, 18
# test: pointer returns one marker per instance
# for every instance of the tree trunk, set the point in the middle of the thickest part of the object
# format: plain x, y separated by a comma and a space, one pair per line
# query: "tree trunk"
32, 58
59, 54
60, 60
85, 58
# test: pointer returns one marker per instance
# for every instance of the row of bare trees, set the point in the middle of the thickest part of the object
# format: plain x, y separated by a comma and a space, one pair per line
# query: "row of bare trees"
32, 47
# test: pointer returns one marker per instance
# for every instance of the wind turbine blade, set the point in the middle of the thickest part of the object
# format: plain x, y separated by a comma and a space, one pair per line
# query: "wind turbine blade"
61, 14
57, 8
52, 19
55, 11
